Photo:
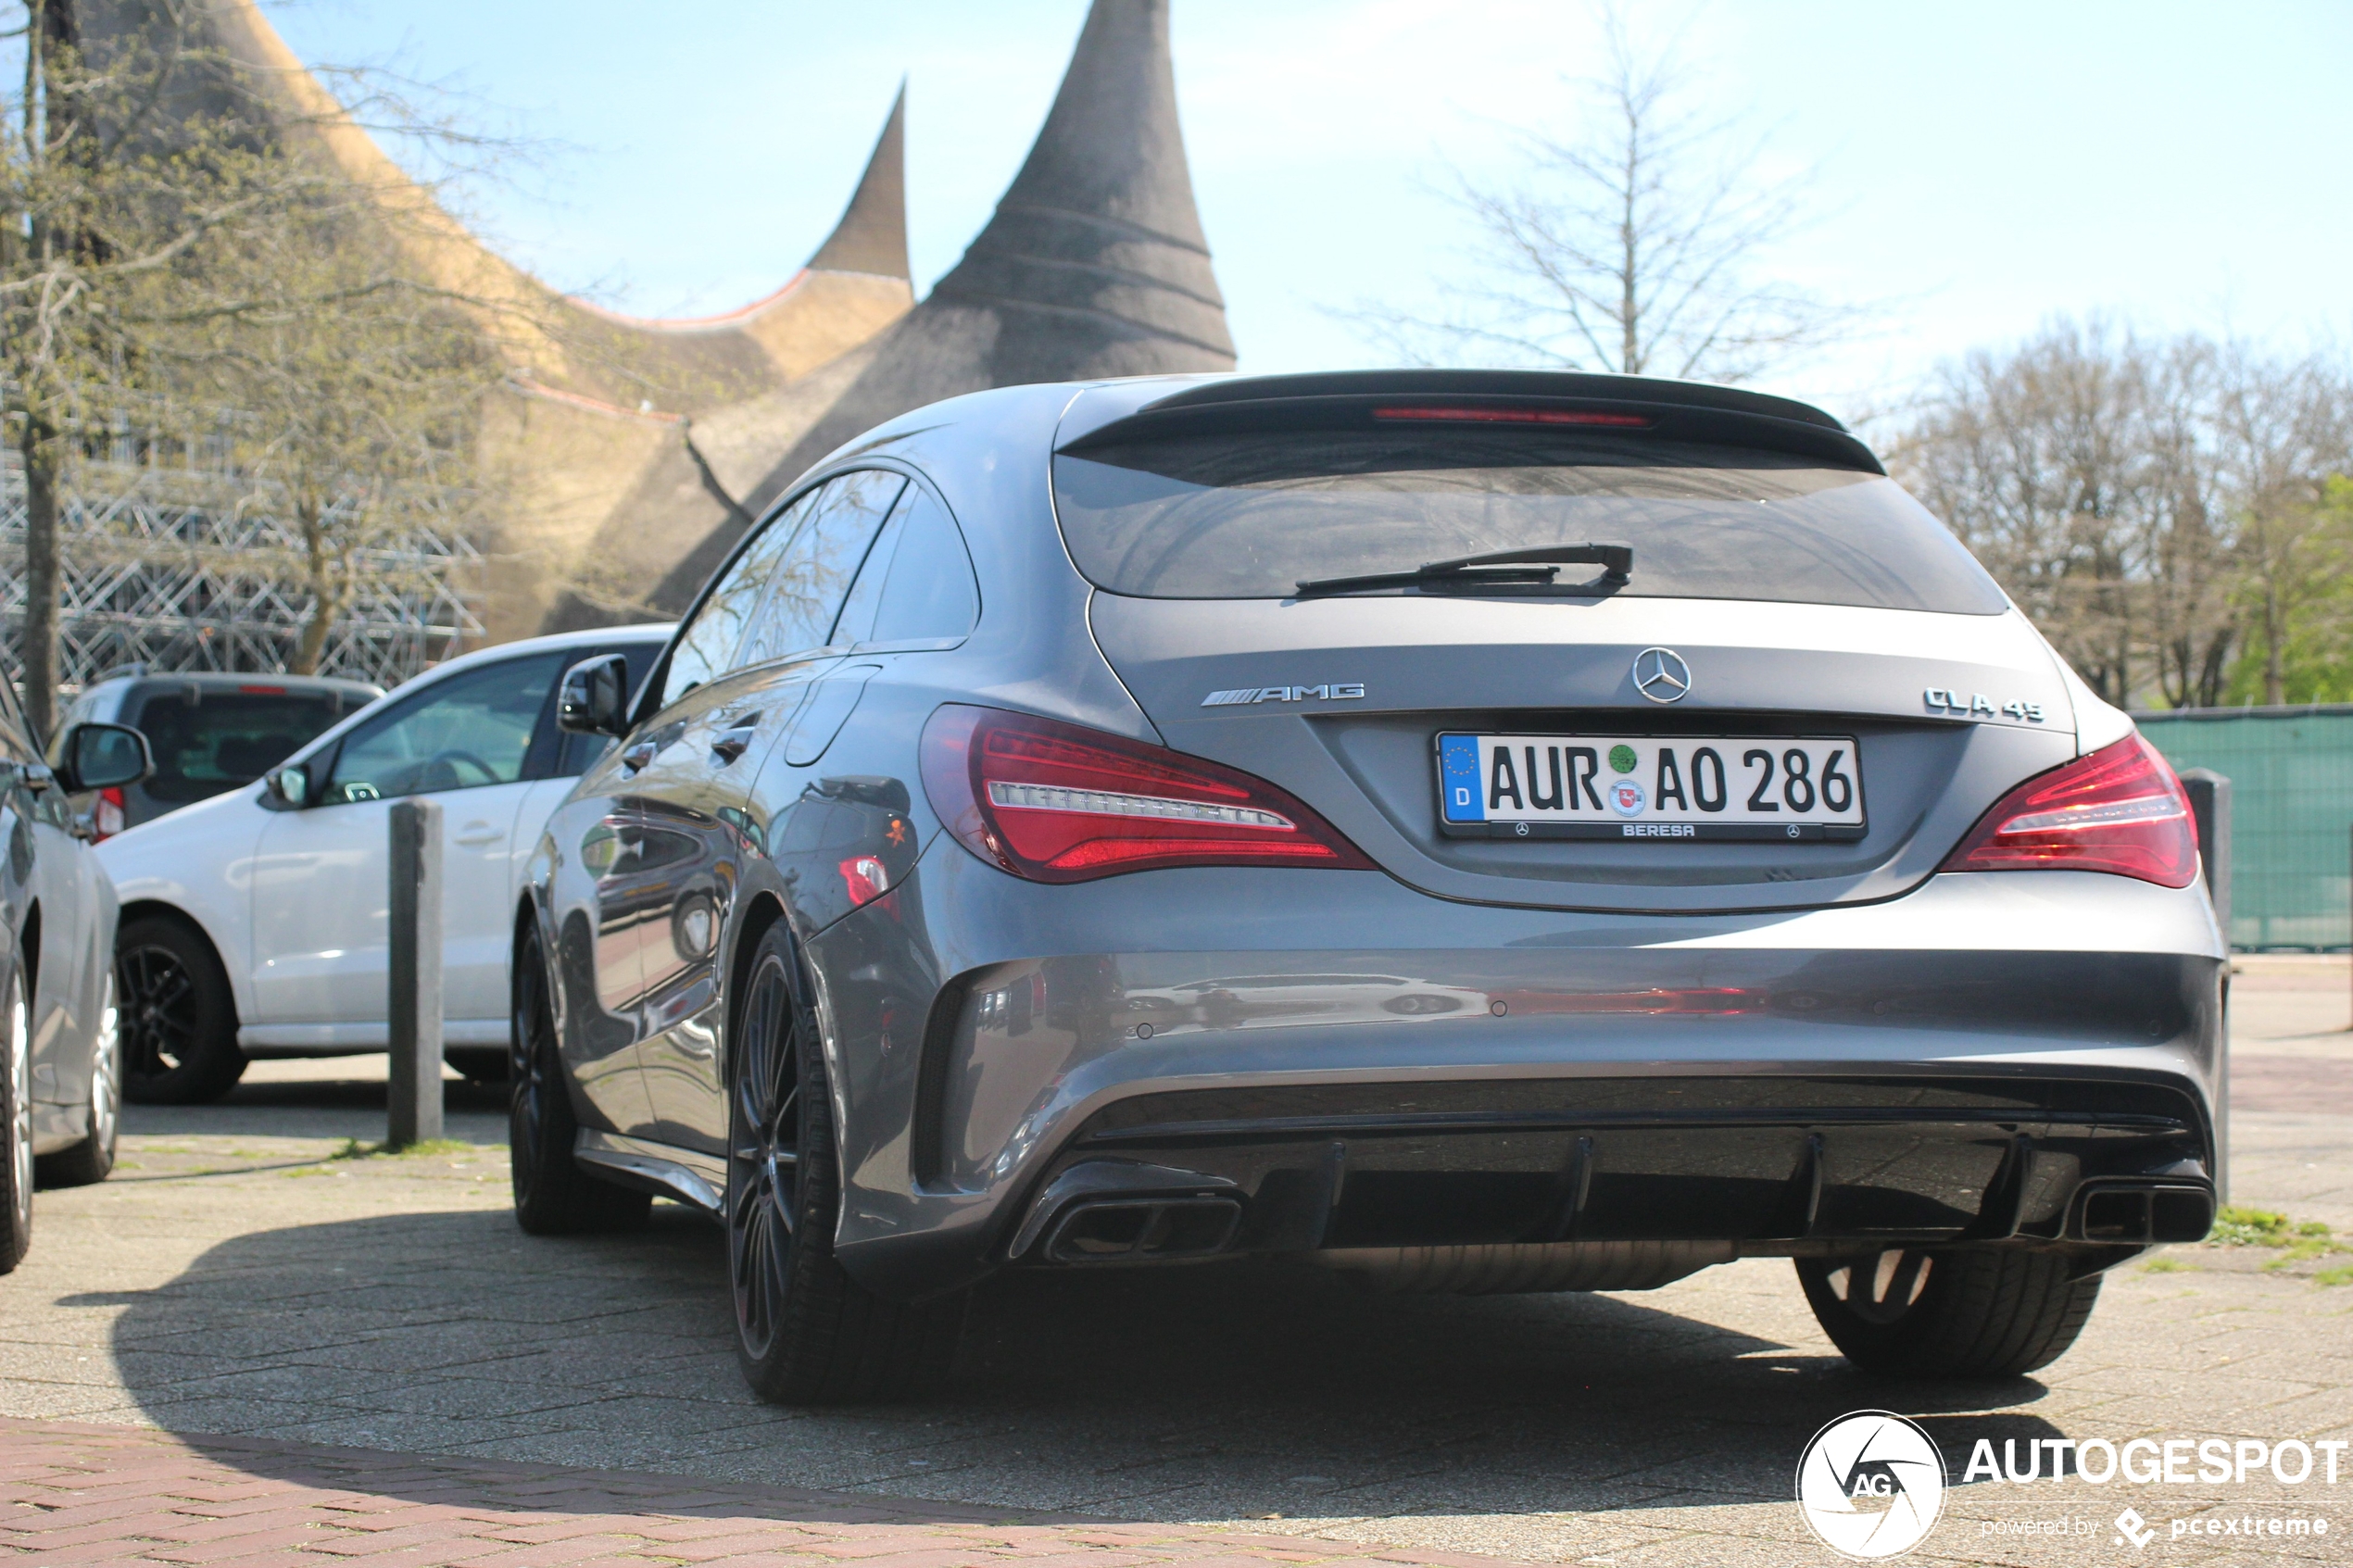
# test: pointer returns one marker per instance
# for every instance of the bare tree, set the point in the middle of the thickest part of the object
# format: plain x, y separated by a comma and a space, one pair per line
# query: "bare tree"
120, 171
2284, 435
358, 390
2159, 508
1633, 243
175, 233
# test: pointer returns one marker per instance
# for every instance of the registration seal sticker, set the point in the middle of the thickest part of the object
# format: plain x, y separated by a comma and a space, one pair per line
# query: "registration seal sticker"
1625, 798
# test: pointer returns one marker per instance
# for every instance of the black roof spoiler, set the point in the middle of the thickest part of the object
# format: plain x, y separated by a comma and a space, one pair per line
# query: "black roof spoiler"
1634, 407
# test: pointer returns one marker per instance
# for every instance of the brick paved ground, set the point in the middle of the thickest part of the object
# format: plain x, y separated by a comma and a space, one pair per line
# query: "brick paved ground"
232, 1281
86, 1493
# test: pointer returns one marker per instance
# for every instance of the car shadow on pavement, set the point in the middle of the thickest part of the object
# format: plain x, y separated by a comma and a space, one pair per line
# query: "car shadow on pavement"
319, 1107
1242, 1391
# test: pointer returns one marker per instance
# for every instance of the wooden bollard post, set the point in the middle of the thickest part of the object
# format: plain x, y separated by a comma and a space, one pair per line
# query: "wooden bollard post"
415, 1011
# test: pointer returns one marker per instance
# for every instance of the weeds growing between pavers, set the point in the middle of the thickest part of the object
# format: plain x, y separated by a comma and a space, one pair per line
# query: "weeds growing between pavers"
353, 1149
2294, 1244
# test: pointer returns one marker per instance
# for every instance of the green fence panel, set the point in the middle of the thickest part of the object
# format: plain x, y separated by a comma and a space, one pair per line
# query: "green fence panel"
2291, 772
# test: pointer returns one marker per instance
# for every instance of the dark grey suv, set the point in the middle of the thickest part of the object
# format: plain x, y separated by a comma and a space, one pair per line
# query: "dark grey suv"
1478, 831
210, 731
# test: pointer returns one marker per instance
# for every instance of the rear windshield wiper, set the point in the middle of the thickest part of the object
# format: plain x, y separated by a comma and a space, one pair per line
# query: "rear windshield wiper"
1498, 568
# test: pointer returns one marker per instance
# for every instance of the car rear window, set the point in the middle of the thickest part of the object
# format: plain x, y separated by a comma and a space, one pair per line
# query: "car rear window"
209, 741
1250, 515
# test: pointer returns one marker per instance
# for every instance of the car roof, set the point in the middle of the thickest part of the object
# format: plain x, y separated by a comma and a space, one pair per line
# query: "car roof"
232, 679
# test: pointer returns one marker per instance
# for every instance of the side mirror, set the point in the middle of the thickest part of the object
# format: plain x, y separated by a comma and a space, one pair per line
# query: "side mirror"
291, 786
102, 757
595, 698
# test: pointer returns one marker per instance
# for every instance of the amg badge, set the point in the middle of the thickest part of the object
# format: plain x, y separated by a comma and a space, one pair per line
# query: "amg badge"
1337, 693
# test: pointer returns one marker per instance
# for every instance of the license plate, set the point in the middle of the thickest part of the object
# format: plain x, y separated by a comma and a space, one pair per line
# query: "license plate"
1672, 787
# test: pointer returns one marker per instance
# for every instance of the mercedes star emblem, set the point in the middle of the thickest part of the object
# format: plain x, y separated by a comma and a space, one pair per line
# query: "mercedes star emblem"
1661, 675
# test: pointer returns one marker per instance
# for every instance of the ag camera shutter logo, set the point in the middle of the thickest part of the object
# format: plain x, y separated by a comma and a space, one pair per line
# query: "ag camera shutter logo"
1871, 1485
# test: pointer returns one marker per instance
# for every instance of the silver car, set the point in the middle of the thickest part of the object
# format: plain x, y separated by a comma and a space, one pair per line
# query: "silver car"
1478, 831
60, 1043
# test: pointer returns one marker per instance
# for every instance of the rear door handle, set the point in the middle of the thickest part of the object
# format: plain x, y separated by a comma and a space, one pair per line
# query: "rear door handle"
732, 744
479, 833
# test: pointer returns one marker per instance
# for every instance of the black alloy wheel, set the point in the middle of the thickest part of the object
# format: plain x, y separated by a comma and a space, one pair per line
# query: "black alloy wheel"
763, 1162
1978, 1313
553, 1195
178, 1018
806, 1332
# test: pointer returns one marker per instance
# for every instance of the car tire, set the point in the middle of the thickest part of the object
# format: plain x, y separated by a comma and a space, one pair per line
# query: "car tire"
15, 1121
179, 1017
481, 1064
553, 1195
91, 1159
806, 1332
1980, 1313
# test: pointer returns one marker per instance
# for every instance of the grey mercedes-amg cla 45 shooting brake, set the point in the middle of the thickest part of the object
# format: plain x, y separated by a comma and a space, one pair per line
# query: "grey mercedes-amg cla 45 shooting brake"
1478, 832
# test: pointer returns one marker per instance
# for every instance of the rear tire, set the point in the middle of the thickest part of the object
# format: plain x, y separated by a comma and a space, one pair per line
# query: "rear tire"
806, 1332
553, 1195
15, 1121
1979, 1314
91, 1159
179, 1016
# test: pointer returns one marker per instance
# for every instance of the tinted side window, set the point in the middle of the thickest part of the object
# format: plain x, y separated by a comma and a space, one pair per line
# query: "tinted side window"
466, 732
706, 648
931, 595
811, 581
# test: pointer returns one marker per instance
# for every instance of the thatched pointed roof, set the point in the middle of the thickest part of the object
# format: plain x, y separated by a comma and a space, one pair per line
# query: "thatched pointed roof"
644, 446
1093, 265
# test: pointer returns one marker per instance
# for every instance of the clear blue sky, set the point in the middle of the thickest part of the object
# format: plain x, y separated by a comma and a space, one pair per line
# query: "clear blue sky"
1993, 164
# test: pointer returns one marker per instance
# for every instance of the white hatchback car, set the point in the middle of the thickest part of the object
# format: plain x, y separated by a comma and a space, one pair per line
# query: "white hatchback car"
255, 923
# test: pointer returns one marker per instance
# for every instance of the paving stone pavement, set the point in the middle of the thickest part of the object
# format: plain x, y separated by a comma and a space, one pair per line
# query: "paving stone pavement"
235, 1281
110, 1494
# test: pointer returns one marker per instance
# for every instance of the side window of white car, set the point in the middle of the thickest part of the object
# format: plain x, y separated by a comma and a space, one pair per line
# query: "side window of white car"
467, 731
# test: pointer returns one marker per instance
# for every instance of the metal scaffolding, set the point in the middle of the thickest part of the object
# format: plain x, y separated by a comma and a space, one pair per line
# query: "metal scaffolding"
170, 562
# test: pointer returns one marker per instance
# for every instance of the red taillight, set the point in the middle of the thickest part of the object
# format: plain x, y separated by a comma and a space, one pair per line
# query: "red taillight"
106, 815
2118, 810
263, 691
1476, 415
1053, 802
866, 879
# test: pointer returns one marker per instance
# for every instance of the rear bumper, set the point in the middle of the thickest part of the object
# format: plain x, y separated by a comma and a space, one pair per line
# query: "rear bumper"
1355, 1066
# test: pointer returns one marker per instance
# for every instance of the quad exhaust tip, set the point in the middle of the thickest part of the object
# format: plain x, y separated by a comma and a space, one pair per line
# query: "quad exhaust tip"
1126, 1211
1132, 1230
2141, 1213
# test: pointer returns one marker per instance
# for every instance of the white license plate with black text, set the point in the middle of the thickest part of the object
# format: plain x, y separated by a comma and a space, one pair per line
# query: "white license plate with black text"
1667, 787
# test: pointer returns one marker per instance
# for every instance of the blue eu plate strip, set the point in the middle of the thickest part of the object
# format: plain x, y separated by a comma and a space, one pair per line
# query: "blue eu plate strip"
1458, 781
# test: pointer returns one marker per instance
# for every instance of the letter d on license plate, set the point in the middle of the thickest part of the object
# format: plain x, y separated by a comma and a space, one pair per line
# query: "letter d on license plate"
1670, 787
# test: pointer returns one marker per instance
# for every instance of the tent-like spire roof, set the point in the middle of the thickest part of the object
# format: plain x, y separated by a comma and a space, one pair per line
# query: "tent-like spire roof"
872, 235
1094, 265
1097, 243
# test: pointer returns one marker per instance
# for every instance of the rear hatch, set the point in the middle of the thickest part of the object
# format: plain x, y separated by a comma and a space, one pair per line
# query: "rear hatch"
1803, 691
